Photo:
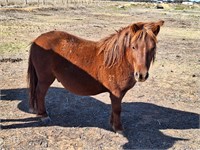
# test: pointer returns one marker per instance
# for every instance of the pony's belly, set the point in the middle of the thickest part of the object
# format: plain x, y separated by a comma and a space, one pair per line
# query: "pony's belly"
79, 82
80, 87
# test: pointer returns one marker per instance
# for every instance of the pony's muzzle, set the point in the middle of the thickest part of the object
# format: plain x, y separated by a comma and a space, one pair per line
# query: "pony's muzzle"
141, 77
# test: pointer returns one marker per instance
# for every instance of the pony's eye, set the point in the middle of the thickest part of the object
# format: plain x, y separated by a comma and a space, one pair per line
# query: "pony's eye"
133, 47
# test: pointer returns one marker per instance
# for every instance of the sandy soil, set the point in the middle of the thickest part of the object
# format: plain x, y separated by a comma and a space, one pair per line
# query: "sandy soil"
162, 113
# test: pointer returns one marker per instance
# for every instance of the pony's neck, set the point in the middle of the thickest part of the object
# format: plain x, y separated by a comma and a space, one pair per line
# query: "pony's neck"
114, 46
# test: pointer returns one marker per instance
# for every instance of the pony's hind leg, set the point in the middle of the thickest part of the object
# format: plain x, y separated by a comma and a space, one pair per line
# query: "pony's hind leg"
41, 90
40, 77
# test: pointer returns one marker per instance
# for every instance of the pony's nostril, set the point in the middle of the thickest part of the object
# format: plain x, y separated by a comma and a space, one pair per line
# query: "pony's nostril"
136, 74
140, 76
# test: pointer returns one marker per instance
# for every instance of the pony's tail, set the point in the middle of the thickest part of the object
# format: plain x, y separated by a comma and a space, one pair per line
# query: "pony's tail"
32, 83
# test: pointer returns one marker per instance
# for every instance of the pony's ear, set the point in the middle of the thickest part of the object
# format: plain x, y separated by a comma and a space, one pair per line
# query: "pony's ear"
137, 26
157, 26
160, 23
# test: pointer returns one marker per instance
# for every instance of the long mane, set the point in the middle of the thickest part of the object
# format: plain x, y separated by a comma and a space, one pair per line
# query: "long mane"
115, 45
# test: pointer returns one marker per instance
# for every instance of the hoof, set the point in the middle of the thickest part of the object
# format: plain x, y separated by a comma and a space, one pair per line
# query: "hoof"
32, 111
46, 120
118, 131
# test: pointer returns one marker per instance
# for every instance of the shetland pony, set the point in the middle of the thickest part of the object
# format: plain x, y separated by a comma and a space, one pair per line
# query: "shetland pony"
113, 64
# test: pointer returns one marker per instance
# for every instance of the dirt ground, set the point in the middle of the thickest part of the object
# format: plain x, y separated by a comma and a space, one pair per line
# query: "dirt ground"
161, 113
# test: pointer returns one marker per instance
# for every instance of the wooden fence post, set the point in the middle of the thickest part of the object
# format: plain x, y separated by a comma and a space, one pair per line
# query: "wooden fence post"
6, 1
26, 2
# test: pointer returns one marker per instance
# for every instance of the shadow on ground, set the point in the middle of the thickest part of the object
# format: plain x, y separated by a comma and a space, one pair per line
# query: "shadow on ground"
142, 121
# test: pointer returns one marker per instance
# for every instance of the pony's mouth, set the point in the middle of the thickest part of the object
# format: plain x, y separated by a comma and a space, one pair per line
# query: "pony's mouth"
140, 80
140, 77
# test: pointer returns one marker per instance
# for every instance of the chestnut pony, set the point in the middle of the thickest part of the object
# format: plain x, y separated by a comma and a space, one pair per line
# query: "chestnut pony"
113, 64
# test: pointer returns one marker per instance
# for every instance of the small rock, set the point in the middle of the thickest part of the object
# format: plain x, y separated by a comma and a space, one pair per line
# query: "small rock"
44, 144
140, 96
159, 7
178, 56
193, 75
121, 6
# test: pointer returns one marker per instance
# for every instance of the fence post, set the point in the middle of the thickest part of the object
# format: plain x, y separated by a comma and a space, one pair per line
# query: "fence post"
26, 2
6, 1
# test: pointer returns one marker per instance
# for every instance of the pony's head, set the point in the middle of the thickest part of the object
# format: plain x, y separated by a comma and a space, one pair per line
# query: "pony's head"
137, 43
143, 47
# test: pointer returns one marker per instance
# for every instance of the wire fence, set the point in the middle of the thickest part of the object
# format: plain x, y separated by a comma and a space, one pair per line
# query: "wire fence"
43, 2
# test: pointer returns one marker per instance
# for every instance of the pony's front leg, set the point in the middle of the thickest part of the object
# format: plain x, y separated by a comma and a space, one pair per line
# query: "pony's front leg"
115, 119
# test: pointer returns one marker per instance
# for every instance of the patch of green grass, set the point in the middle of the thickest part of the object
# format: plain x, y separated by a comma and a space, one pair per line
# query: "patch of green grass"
12, 47
179, 7
186, 7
